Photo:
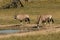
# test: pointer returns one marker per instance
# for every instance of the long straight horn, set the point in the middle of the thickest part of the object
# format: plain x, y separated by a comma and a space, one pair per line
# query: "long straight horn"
38, 19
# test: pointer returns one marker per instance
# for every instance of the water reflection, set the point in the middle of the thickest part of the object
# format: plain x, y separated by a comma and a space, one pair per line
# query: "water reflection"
8, 31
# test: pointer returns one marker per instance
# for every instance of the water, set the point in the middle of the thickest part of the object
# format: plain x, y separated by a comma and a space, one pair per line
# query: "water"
8, 31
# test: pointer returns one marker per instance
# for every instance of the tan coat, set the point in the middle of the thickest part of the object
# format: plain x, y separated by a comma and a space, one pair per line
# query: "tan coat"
22, 17
44, 18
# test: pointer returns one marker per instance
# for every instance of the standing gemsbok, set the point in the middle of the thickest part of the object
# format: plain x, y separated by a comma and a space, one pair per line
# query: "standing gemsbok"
45, 19
22, 17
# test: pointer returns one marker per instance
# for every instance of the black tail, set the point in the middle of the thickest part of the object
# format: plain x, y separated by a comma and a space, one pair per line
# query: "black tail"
50, 20
27, 20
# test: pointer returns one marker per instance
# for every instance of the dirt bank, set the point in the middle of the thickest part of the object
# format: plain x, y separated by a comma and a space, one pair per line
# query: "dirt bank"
46, 31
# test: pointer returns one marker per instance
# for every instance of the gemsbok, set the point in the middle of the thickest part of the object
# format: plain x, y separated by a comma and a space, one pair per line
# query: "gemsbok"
22, 17
45, 19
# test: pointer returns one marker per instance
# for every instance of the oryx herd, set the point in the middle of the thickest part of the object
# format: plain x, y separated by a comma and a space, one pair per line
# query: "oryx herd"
43, 19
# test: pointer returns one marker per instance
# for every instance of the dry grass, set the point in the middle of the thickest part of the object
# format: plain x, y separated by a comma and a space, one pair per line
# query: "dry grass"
34, 8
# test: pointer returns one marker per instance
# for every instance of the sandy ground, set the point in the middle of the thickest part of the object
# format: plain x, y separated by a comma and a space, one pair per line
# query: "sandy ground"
48, 30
